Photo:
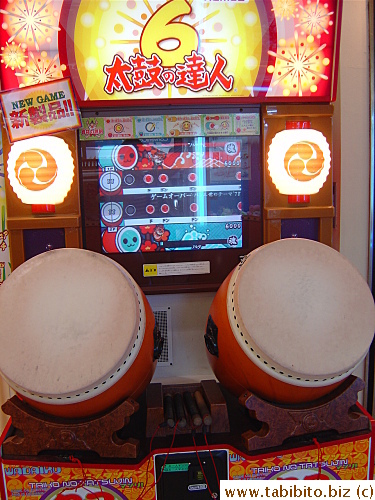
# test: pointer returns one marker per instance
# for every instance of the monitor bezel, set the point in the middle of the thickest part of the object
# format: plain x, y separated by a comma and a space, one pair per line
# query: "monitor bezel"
221, 261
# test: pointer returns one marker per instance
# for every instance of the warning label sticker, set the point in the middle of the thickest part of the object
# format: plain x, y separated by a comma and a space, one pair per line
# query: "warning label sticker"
174, 269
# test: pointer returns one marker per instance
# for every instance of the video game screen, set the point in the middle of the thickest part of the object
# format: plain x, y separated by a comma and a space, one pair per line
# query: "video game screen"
171, 194
163, 189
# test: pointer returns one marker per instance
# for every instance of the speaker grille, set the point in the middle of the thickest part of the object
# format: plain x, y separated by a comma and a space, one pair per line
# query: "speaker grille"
163, 319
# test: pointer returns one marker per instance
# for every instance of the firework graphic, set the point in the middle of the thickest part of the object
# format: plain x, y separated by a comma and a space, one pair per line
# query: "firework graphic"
13, 56
30, 22
285, 9
41, 69
300, 66
315, 18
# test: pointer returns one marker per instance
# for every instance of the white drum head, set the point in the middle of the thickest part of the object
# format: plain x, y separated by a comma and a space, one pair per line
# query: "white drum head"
72, 322
301, 311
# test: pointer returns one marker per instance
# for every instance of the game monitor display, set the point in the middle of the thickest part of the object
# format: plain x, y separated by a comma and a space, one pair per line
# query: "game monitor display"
176, 201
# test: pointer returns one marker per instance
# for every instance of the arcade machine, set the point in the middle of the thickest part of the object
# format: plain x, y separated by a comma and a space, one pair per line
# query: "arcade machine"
193, 143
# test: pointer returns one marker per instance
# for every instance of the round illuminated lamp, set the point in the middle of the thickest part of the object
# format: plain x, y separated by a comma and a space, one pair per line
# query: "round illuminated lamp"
299, 161
41, 171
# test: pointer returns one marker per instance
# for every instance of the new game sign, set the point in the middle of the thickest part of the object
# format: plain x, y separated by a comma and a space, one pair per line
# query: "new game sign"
40, 109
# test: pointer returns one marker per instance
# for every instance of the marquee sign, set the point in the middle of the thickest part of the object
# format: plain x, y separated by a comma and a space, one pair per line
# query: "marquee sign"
137, 50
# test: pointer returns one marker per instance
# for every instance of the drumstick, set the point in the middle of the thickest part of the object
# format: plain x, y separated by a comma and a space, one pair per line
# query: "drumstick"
207, 419
192, 409
180, 412
168, 410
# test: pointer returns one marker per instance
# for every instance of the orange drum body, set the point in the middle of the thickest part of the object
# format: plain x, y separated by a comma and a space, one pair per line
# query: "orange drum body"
290, 323
78, 336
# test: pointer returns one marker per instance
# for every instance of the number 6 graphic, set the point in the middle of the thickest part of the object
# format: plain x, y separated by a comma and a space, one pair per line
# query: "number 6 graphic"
160, 28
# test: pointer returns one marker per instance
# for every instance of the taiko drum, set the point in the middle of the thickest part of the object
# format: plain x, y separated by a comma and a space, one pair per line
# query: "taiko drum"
77, 335
290, 323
